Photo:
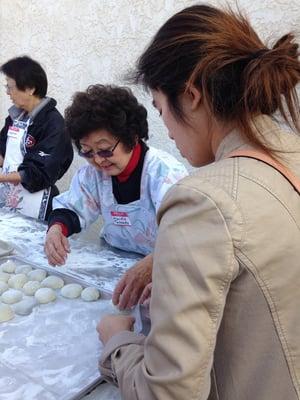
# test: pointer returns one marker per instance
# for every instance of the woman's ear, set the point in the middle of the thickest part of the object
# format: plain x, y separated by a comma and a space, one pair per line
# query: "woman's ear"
195, 97
30, 91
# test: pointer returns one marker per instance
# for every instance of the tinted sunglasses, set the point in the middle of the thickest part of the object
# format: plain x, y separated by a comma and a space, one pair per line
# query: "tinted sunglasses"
100, 153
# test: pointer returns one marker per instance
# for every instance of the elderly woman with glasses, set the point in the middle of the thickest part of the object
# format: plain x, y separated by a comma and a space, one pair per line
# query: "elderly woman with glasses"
34, 149
124, 182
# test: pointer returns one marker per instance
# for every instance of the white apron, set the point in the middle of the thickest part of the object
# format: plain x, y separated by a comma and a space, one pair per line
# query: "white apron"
132, 226
16, 197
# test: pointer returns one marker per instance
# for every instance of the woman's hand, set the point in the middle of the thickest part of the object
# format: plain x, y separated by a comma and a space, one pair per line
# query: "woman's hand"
130, 287
146, 295
56, 246
110, 325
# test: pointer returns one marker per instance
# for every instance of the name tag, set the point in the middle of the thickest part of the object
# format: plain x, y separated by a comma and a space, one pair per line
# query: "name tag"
120, 218
17, 130
13, 132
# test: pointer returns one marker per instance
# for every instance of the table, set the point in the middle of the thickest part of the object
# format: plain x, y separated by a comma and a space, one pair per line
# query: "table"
95, 262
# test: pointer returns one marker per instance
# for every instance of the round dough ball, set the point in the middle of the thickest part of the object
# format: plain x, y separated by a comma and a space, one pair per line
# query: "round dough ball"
37, 275
3, 287
6, 312
25, 306
4, 276
53, 282
17, 281
31, 287
45, 295
11, 296
71, 291
90, 294
9, 266
23, 269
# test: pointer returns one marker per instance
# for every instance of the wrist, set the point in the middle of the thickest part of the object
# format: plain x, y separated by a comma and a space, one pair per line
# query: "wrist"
60, 226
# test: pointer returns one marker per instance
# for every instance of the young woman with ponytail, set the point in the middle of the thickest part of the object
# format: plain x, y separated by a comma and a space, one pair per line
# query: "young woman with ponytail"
226, 276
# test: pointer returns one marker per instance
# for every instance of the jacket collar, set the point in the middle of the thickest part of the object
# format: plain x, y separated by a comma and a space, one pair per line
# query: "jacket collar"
45, 105
267, 129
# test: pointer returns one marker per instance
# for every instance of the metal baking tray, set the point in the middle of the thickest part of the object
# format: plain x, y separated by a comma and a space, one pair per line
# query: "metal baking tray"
52, 354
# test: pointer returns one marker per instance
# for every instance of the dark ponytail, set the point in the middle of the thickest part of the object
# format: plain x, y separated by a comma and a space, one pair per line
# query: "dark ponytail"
271, 78
221, 54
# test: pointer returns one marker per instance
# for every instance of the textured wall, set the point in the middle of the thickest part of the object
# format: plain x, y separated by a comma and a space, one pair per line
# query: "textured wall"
80, 42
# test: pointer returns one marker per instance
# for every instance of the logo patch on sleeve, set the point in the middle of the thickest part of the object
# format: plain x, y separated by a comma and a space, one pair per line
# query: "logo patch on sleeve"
29, 141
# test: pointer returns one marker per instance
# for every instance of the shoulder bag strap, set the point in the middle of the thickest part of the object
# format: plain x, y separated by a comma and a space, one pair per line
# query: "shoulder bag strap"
261, 156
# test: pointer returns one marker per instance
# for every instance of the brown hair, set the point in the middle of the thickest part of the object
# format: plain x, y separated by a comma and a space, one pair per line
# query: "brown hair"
220, 53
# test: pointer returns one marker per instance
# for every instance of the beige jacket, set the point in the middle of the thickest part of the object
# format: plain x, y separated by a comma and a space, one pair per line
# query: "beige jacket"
225, 305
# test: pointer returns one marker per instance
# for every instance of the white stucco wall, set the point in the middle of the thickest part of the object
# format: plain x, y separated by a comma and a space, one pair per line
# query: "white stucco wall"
81, 42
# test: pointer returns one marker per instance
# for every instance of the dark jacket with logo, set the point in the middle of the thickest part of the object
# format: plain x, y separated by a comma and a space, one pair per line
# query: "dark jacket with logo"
48, 150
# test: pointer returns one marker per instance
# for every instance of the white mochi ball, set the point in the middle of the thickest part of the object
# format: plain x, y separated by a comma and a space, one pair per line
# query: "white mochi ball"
3, 287
25, 306
23, 269
31, 287
90, 294
4, 276
37, 275
11, 296
17, 281
9, 266
53, 282
6, 312
45, 295
71, 291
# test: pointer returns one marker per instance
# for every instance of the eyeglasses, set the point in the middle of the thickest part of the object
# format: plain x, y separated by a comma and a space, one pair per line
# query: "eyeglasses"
100, 153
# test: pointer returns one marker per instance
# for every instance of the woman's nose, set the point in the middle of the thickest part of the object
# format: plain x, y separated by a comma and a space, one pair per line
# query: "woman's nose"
170, 135
98, 159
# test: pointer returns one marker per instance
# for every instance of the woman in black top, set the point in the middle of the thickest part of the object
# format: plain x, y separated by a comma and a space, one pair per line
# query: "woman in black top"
35, 151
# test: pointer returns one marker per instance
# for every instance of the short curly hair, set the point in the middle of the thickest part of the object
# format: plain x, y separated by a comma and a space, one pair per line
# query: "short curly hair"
112, 108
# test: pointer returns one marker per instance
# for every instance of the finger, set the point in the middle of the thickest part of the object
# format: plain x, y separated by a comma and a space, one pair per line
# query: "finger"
55, 245
47, 250
133, 300
66, 244
131, 321
54, 257
144, 295
146, 302
129, 298
60, 250
118, 291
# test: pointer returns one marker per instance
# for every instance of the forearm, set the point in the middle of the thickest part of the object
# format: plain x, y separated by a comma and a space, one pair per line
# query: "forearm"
12, 177
1, 160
